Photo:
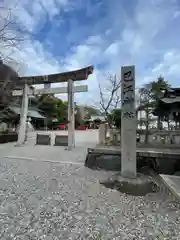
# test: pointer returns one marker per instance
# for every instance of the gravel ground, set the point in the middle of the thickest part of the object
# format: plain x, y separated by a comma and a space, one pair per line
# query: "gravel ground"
42, 200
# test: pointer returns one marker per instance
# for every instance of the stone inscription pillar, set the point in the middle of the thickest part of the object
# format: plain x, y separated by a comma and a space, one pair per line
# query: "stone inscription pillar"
128, 122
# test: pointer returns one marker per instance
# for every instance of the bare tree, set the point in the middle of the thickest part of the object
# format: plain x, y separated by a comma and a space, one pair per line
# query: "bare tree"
11, 35
110, 95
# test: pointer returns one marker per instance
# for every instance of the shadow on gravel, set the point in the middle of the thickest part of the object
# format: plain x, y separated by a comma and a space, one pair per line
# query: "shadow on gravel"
131, 189
140, 186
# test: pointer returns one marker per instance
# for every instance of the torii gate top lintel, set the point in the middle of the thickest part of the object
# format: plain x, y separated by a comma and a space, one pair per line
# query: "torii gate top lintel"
77, 75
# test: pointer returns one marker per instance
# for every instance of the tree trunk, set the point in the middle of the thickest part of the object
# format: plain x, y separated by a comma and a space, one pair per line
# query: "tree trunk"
159, 123
176, 124
146, 134
147, 127
168, 125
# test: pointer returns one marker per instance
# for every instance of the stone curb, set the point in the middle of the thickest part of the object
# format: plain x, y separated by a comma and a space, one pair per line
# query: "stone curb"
171, 185
43, 160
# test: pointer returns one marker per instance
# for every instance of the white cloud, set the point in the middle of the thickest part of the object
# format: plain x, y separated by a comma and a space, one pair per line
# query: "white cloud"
169, 65
32, 14
113, 49
176, 14
94, 40
34, 58
129, 41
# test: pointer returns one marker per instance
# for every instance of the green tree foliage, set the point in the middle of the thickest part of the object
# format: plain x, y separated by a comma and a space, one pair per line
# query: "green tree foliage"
157, 88
146, 105
115, 118
47, 104
61, 110
150, 94
56, 108
53, 107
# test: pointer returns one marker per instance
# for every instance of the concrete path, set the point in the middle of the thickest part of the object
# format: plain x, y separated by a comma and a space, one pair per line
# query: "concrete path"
84, 139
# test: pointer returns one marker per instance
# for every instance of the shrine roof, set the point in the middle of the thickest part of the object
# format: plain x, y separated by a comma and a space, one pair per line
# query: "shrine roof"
171, 100
77, 75
171, 96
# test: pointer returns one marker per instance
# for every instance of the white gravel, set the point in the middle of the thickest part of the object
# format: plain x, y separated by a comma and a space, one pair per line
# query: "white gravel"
41, 200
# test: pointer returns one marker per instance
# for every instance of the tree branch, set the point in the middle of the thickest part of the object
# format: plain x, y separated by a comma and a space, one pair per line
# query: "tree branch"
110, 96
11, 35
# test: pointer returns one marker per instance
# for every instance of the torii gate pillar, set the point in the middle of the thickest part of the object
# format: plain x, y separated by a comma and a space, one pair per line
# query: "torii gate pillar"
23, 116
71, 120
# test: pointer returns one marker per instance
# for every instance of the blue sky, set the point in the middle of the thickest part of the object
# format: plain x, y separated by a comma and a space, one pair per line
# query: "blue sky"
70, 34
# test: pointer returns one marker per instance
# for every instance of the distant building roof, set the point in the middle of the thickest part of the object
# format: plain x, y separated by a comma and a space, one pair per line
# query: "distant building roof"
171, 95
172, 91
93, 118
31, 113
171, 100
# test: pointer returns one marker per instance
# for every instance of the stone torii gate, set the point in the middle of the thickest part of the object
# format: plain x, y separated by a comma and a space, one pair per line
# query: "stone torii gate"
47, 80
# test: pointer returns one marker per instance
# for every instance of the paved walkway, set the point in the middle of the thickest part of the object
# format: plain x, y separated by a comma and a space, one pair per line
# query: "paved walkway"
84, 139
